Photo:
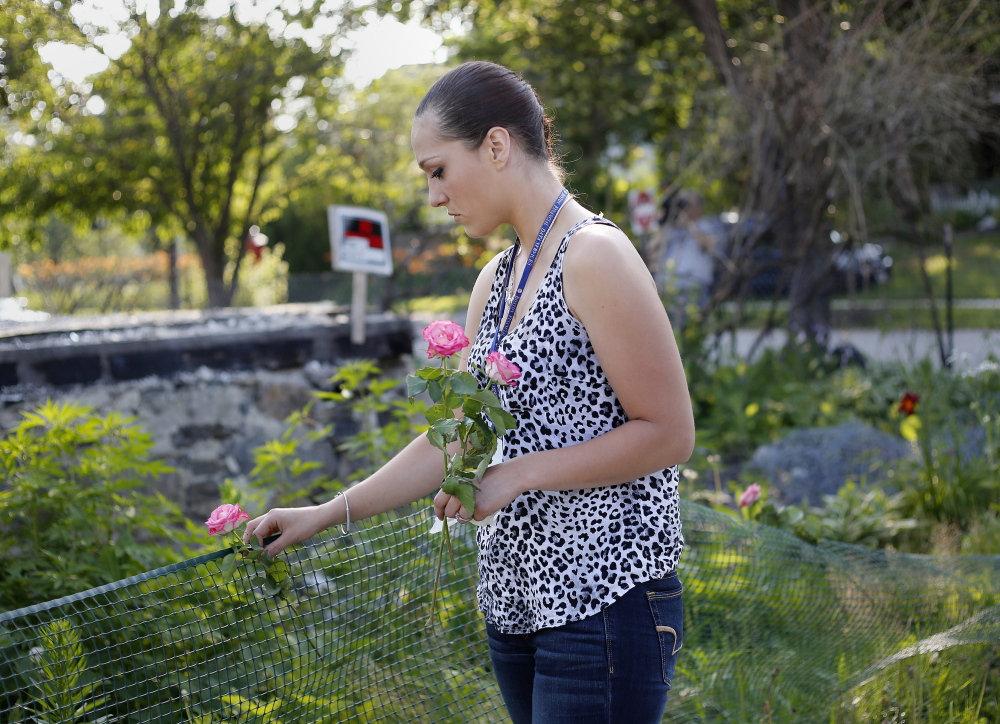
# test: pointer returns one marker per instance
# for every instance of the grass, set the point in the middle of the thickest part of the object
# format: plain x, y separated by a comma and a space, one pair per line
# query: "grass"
975, 275
902, 302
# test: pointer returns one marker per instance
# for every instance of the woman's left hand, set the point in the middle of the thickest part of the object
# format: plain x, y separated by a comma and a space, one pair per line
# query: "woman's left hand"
497, 489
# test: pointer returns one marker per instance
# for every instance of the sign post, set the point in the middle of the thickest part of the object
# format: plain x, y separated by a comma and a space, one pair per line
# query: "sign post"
359, 243
6, 287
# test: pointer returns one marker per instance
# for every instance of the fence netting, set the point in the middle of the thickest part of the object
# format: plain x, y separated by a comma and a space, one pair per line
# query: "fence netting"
776, 629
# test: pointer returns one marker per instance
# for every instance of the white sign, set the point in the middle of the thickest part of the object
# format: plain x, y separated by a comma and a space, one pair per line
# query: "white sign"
642, 210
359, 240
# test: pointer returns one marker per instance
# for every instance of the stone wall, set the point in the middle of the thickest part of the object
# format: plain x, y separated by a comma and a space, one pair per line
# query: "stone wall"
209, 385
206, 423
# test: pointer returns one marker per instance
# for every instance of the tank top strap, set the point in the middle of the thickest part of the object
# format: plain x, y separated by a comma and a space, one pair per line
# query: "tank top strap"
599, 219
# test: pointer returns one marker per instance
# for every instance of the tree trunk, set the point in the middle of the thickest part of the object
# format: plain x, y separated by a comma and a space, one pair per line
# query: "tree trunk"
213, 261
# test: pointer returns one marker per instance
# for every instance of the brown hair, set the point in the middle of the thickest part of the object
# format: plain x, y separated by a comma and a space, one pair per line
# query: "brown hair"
474, 97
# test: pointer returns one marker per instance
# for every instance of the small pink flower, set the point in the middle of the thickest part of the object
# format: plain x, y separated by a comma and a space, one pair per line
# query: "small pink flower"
225, 518
444, 339
502, 370
750, 496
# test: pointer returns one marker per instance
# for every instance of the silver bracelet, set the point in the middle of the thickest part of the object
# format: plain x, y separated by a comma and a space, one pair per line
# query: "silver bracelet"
346, 527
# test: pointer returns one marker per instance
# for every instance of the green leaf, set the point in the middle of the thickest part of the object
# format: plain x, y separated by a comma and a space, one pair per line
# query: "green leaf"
437, 412
483, 465
451, 485
434, 389
278, 571
435, 438
487, 398
430, 373
228, 567
504, 419
463, 383
471, 407
415, 385
447, 426
467, 494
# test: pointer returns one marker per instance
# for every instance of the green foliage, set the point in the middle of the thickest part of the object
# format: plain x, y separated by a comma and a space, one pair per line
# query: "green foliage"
613, 74
59, 677
72, 508
863, 517
476, 432
739, 407
957, 686
956, 475
278, 468
175, 145
855, 515
387, 423
356, 154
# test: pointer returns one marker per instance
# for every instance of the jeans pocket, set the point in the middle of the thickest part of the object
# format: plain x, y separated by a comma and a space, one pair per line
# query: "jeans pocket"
666, 606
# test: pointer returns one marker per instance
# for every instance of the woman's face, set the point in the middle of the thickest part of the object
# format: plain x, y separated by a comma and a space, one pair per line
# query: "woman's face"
457, 178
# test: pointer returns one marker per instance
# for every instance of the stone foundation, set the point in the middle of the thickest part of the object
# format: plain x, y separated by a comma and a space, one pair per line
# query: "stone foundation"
205, 420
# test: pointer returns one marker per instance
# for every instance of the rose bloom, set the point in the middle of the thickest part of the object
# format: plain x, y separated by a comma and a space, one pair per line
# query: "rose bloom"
502, 370
908, 405
749, 496
225, 518
444, 339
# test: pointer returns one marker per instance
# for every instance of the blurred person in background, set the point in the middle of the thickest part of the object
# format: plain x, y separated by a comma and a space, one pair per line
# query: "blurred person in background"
684, 253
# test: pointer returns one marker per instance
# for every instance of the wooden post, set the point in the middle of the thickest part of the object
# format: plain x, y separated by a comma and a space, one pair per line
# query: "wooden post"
948, 296
359, 301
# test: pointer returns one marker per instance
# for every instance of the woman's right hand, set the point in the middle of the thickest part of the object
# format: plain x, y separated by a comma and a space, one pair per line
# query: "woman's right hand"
293, 524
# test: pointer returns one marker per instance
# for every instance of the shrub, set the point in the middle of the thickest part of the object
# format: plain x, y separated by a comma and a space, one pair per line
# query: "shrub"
71, 509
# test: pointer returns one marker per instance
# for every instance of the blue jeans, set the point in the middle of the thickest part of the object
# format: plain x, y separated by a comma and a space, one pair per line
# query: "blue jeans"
613, 667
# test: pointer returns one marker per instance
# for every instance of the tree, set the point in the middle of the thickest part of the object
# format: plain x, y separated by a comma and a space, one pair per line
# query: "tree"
800, 102
821, 85
360, 155
611, 72
189, 124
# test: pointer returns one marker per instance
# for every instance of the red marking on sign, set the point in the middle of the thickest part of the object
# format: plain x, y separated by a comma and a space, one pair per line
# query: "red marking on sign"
365, 230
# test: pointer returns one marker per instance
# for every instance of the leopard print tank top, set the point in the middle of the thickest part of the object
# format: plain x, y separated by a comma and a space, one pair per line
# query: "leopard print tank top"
552, 557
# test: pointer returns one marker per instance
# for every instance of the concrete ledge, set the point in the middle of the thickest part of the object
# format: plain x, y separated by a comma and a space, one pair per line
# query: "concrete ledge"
72, 350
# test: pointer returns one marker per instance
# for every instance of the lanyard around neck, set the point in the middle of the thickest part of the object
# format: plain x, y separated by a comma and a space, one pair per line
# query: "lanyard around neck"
501, 330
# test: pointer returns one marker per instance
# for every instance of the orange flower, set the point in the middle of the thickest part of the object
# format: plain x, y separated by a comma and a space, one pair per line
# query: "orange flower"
908, 405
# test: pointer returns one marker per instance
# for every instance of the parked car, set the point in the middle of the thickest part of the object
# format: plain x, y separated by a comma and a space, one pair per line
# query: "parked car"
859, 267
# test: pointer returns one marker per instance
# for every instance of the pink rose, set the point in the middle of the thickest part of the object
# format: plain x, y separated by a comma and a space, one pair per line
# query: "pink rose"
444, 339
225, 518
749, 496
502, 370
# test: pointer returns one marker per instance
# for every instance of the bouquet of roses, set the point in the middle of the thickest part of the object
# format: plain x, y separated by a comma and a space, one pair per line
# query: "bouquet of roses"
462, 412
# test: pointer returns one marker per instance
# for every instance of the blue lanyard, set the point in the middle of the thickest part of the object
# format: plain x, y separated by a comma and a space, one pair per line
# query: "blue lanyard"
542, 233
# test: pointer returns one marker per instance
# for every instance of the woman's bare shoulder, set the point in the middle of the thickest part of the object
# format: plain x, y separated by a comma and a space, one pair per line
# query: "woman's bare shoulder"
601, 249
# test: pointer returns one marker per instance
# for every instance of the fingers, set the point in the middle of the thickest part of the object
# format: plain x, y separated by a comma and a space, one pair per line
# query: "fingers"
275, 547
440, 502
448, 506
262, 527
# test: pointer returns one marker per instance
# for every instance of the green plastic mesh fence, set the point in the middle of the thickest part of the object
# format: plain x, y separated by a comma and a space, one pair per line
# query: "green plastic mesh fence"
775, 630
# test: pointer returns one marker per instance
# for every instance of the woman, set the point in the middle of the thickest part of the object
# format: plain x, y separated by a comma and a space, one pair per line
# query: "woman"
577, 573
